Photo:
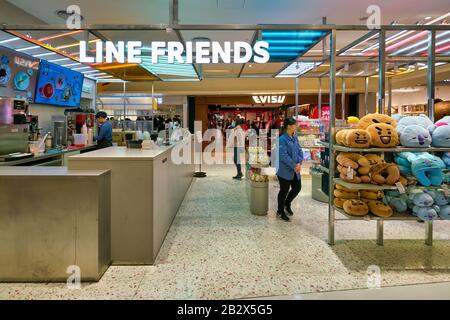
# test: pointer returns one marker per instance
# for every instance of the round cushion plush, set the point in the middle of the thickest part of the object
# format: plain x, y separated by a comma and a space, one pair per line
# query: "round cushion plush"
340, 137
354, 179
339, 187
378, 208
356, 207
444, 212
339, 202
369, 194
374, 159
356, 138
441, 136
416, 136
376, 118
345, 194
383, 135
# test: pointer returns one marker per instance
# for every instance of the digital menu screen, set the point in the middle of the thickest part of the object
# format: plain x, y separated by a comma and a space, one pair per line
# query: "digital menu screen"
58, 85
18, 74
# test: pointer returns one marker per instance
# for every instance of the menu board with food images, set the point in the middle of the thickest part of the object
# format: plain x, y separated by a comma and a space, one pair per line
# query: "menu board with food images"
58, 85
18, 74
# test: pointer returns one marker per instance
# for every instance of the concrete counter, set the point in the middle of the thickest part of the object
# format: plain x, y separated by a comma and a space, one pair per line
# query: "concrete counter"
147, 188
52, 218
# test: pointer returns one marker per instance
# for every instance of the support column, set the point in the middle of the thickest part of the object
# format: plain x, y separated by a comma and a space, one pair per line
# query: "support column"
429, 233
431, 72
331, 213
381, 71
343, 99
320, 98
296, 97
380, 232
389, 112
366, 95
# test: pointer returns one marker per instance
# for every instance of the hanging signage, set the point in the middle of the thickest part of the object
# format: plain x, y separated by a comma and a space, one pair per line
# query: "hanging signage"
269, 99
177, 52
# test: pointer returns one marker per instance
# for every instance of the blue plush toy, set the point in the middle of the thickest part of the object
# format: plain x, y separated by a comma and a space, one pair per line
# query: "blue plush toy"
441, 199
415, 136
423, 205
397, 201
421, 120
426, 167
446, 159
441, 136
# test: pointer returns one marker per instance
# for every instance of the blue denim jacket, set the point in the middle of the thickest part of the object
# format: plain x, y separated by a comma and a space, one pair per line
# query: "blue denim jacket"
289, 155
105, 132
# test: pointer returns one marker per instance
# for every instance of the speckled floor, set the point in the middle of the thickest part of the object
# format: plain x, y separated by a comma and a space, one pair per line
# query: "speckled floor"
216, 249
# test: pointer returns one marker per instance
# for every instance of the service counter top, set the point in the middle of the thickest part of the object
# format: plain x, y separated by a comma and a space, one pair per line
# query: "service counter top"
39, 172
53, 153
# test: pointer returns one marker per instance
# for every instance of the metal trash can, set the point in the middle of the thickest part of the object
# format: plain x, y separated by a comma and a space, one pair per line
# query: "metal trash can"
259, 198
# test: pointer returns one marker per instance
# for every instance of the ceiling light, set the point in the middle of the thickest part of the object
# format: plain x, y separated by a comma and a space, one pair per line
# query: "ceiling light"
44, 54
81, 68
28, 48
9, 40
63, 14
296, 69
58, 60
427, 18
72, 64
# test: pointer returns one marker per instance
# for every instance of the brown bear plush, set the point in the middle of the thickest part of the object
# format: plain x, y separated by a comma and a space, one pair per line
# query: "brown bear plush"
383, 135
356, 208
386, 173
354, 138
339, 202
374, 159
376, 118
378, 208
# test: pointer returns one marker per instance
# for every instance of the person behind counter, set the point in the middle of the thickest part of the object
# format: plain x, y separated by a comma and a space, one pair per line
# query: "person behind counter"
104, 137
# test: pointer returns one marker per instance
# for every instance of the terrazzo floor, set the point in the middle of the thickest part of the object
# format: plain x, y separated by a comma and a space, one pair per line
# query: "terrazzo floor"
216, 249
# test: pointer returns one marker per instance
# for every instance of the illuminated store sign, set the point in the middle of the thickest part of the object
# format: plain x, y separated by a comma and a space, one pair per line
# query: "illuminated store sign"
269, 99
177, 52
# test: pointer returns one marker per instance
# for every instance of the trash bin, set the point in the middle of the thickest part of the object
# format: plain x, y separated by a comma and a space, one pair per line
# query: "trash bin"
259, 198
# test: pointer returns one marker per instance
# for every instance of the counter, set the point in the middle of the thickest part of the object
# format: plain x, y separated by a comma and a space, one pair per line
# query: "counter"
52, 218
51, 157
147, 188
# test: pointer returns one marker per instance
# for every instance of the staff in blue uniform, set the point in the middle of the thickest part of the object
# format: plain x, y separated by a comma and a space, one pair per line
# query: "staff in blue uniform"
104, 137
290, 158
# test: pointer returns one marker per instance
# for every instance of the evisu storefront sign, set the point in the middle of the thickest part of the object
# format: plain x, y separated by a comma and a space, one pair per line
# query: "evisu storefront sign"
176, 52
268, 99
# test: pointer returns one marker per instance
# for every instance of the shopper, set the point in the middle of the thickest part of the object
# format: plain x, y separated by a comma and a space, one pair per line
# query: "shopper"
290, 157
238, 140
104, 137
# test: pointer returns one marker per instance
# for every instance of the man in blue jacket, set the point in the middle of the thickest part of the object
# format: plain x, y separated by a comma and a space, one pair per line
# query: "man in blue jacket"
104, 137
290, 158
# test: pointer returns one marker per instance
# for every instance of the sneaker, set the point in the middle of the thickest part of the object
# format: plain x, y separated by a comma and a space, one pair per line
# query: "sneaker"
237, 177
282, 216
289, 211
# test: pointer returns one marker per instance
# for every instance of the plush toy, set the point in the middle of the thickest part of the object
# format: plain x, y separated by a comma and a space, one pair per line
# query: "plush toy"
426, 167
353, 160
348, 174
441, 199
356, 208
446, 159
387, 173
340, 136
441, 136
356, 138
382, 135
378, 208
421, 120
339, 202
397, 201
352, 120
441, 110
375, 118
397, 117
415, 136
371, 194
343, 194
423, 205
374, 159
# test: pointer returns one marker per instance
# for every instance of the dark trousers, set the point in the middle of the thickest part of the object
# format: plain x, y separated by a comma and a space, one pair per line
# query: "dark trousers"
236, 159
285, 197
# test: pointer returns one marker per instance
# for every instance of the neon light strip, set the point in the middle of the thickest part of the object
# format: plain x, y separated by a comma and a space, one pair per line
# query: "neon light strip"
58, 60
75, 44
27, 48
419, 44
9, 40
44, 54
60, 35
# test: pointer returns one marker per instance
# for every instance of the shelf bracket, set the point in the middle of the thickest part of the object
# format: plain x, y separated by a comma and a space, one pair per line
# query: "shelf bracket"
380, 232
429, 233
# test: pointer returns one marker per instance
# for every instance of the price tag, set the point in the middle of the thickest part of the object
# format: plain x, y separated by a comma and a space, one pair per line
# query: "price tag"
400, 187
366, 217
445, 189
350, 173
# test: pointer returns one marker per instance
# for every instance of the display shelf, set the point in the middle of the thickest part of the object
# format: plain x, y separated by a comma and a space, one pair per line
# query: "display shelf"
310, 133
363, 186
397, 216
259, 165
375, 150
311, 147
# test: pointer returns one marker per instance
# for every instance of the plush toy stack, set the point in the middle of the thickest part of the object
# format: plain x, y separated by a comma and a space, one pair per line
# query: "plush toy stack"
425, 167
376, 130
373, 201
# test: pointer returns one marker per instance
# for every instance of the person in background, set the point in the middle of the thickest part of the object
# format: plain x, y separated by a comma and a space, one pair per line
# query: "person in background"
104, 137
290, 157
238, 140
